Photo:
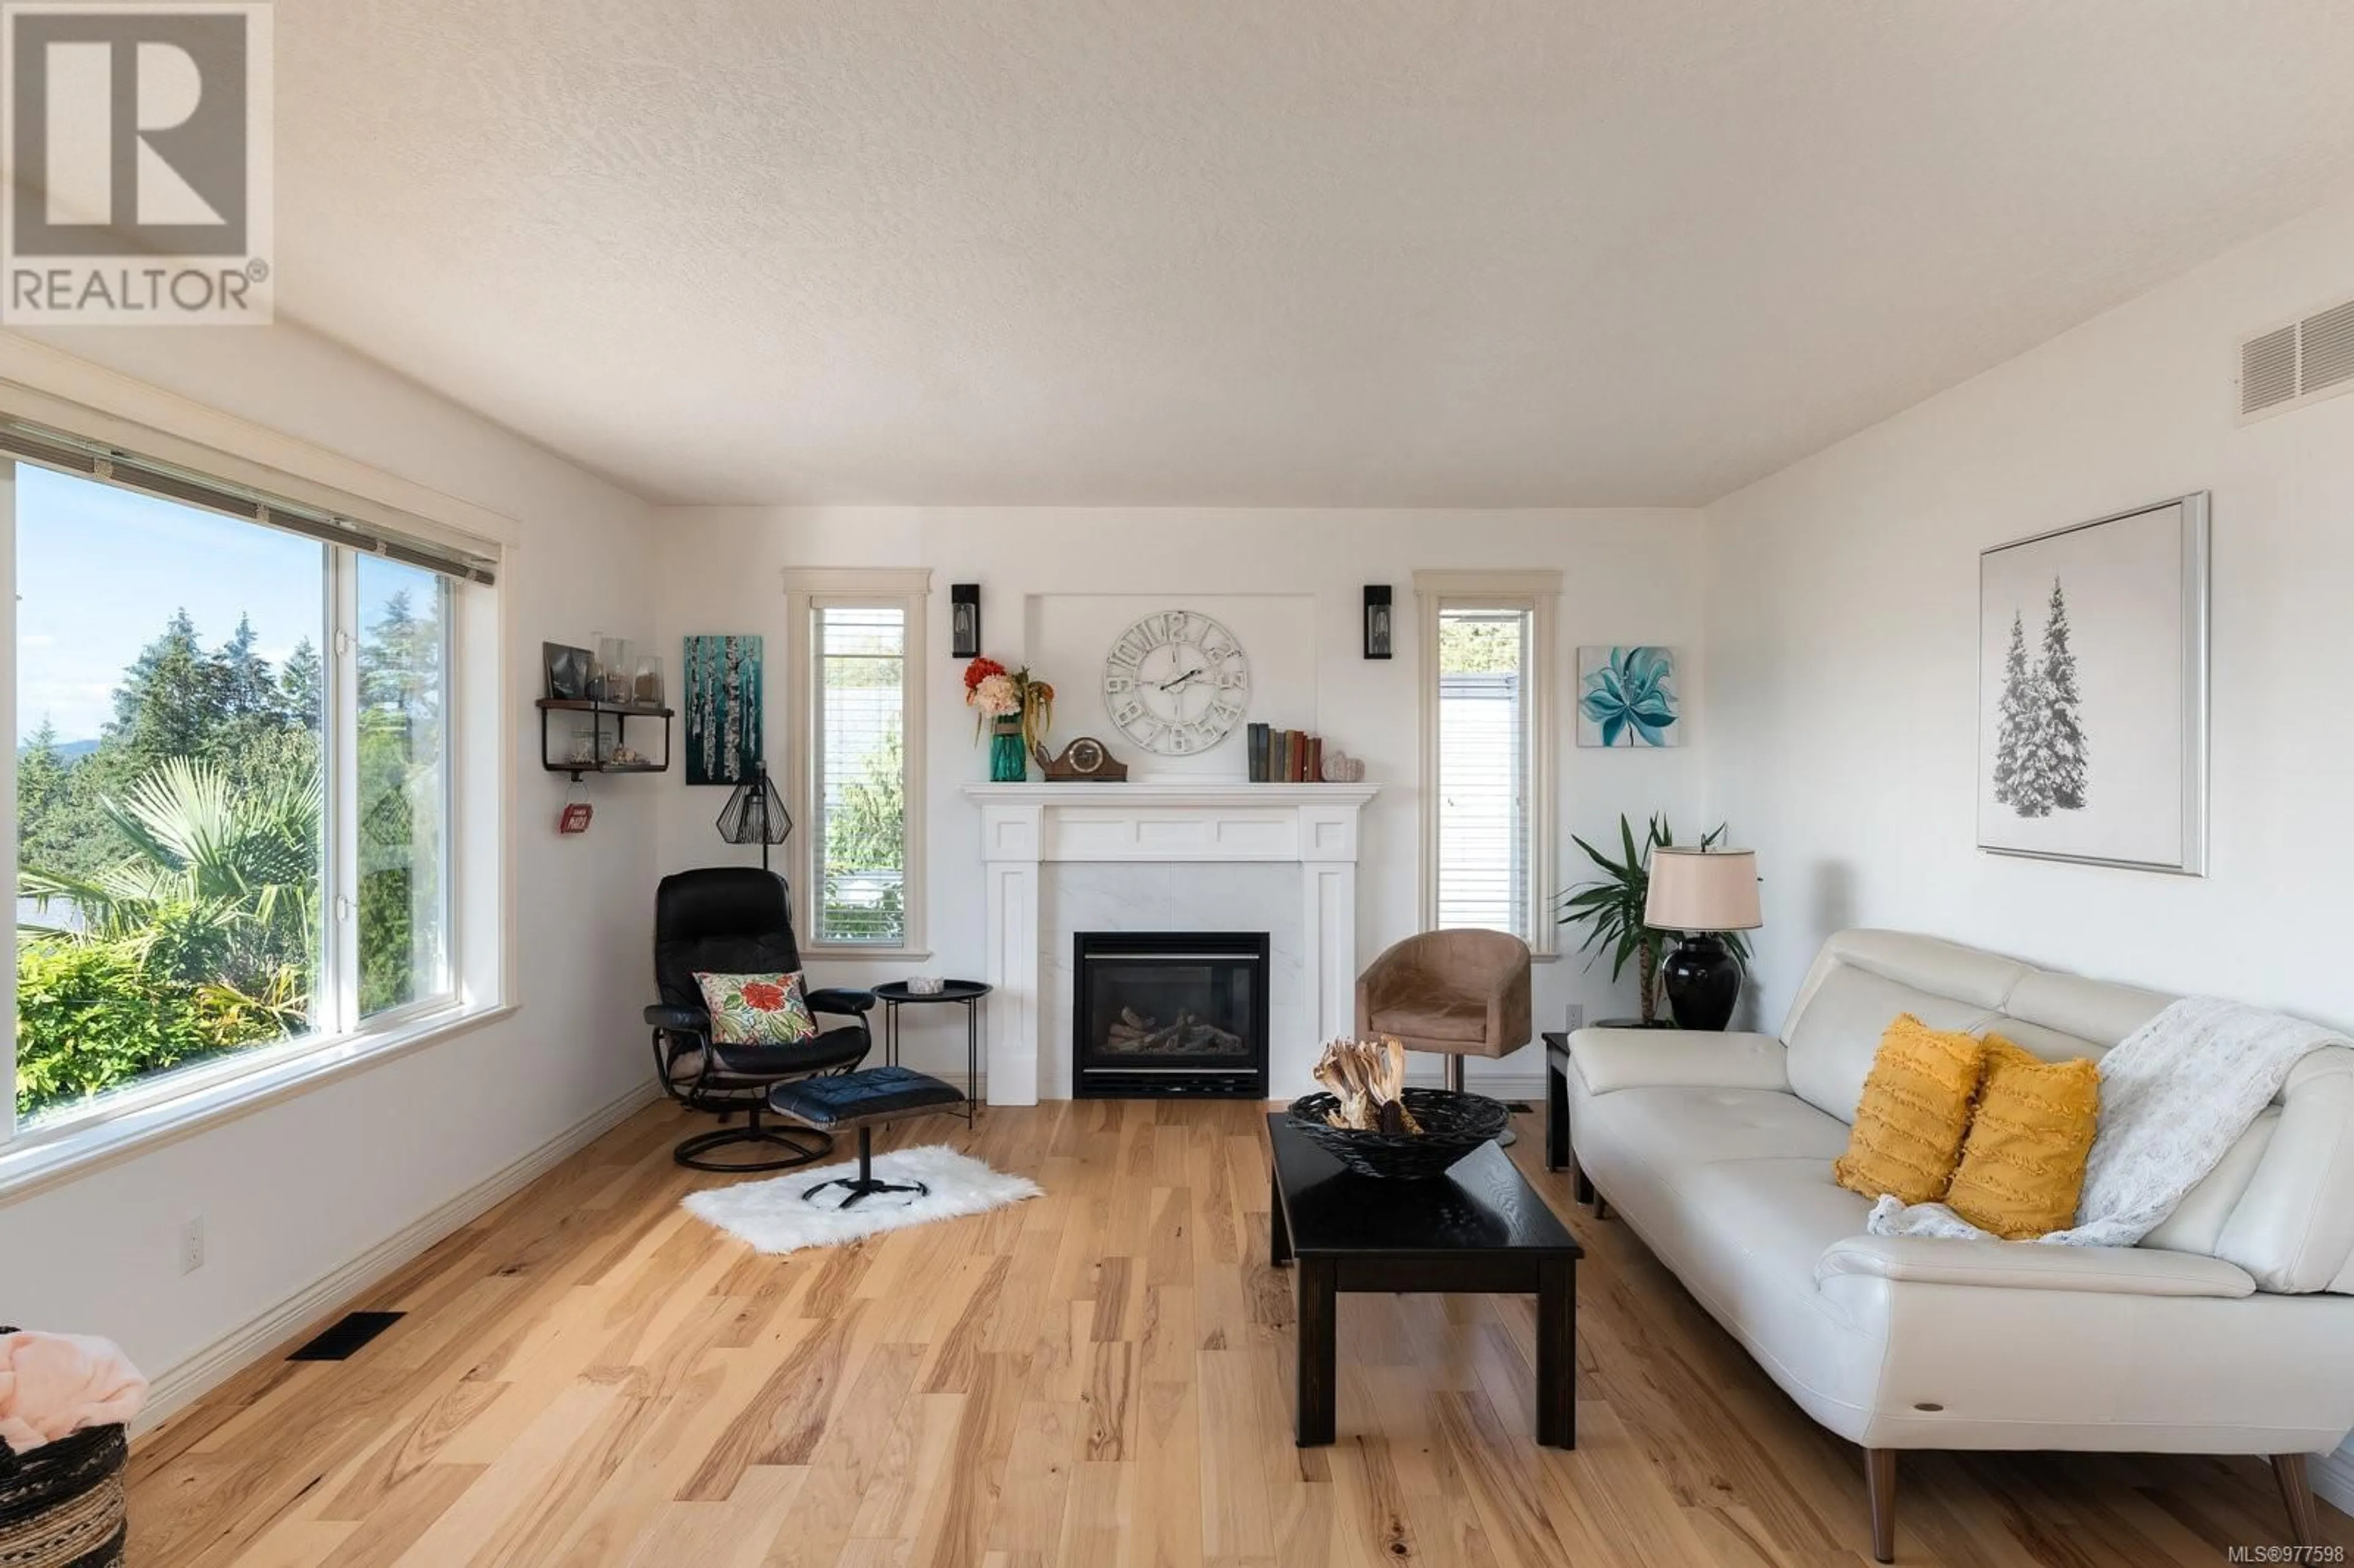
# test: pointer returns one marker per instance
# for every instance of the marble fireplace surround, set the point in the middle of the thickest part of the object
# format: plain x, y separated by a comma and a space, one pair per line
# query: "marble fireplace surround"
1227, 838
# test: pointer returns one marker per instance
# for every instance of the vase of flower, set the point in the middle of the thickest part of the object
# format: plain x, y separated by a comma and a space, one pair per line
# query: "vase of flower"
1013, 709
1009, 760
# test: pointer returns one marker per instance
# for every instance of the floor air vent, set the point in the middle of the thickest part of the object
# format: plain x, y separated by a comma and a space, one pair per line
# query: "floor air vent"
345, 1336
2301, 362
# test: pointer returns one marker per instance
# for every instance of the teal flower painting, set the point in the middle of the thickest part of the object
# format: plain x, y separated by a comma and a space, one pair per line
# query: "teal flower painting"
1627, 696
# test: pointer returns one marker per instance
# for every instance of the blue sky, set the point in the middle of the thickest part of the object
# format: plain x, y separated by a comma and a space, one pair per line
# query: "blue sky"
100, 569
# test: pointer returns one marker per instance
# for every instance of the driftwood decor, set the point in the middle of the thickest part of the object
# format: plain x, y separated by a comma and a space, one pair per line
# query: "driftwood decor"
1368, 1078
1133, 1034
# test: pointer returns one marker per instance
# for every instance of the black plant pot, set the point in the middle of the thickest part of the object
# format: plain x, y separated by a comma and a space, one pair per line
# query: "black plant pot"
1703, 981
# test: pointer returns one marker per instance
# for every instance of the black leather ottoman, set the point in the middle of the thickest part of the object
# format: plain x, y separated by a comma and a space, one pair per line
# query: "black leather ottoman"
860, 1100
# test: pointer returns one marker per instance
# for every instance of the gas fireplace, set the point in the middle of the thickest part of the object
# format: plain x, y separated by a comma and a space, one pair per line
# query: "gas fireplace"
1169, 1013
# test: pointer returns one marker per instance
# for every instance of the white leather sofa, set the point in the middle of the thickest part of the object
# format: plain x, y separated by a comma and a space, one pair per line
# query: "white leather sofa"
2230, 1329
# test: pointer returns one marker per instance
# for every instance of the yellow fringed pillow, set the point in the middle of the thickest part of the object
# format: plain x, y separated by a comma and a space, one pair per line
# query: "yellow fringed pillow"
2023, 1162
1915, 1109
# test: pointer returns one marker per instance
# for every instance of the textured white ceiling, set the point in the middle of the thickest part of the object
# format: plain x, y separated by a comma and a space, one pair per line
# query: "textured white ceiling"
1314, 252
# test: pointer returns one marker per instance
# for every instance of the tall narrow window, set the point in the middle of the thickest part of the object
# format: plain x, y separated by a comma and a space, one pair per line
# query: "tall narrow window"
1483, 768
862, 805
857, 701
1488, 772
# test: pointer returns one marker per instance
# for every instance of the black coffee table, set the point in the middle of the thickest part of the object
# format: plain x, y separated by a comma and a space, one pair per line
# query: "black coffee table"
1480, 1229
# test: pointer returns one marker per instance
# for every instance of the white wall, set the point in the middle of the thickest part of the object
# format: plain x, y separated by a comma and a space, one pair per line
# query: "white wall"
293, 1191
1842, 609
1629, 576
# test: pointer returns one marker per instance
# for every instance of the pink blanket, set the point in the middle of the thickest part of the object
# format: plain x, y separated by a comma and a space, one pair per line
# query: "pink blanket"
54, 1384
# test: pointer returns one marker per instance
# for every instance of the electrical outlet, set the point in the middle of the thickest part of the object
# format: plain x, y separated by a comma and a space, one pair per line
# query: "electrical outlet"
1574, 1017
192, 1245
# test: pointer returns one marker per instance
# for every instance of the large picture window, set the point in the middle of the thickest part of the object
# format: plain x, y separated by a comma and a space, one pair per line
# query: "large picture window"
233, 791
1488, 738
857, 705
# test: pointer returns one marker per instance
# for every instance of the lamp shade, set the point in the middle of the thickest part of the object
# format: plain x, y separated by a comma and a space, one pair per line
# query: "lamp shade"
1702, 890
755, 814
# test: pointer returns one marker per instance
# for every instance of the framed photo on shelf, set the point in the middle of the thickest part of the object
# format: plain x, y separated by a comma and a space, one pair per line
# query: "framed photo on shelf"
566, 671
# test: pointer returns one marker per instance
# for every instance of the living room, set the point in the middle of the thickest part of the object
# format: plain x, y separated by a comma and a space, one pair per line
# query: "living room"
1002, 515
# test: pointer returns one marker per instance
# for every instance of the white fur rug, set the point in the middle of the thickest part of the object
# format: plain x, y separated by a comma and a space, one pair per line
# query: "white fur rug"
771, 1216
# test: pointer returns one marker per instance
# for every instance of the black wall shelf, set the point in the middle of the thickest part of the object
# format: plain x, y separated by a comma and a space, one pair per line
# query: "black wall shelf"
607, 741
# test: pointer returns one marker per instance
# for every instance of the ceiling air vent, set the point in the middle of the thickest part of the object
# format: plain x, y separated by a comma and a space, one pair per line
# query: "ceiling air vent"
2298, 364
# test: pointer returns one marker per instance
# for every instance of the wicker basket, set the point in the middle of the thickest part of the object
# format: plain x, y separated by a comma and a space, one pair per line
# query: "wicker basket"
1453, 1124
61, 1504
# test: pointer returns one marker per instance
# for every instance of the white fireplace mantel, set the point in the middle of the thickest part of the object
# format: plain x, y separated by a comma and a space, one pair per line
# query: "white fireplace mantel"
1025, 826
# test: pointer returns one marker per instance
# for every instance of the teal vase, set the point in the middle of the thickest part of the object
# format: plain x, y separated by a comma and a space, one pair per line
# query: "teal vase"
1009, 761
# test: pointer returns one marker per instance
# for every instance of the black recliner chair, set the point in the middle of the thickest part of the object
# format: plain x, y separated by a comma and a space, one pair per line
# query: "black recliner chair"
739, 920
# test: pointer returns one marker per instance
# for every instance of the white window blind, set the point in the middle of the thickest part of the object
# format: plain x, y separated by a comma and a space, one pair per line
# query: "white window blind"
1484, 773
861, 772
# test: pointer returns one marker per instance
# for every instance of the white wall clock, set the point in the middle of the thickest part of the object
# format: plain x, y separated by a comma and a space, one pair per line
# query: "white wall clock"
1176, 683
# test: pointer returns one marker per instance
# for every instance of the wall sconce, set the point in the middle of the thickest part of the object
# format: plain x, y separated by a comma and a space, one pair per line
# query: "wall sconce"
964, 621
1377, 620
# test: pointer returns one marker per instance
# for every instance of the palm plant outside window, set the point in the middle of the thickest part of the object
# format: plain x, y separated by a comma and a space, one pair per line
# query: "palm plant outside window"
232, 792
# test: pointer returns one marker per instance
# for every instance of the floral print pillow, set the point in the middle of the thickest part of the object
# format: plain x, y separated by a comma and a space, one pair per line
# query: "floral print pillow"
756, 1010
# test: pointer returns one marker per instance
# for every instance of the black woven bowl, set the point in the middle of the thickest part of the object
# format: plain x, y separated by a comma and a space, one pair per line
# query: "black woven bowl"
1453, 1124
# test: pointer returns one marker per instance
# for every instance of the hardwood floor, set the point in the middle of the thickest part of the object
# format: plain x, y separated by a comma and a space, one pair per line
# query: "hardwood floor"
1101, 1376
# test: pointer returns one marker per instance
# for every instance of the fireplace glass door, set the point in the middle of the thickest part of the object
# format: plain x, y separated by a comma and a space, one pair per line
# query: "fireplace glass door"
1170, 1013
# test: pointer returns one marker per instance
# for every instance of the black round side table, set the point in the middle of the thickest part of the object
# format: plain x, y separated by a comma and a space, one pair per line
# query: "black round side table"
895, 995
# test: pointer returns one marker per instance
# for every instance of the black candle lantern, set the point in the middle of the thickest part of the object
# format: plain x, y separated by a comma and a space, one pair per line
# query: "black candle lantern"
964, 621
1377, 620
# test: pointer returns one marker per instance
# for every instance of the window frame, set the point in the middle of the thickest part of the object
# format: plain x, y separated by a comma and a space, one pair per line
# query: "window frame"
478, 877
1537, 593
809, 589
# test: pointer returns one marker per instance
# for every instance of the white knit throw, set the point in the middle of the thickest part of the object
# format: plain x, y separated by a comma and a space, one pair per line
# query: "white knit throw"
2176, 1094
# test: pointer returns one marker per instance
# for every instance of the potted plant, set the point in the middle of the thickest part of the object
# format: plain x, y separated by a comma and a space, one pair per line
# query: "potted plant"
1610, 907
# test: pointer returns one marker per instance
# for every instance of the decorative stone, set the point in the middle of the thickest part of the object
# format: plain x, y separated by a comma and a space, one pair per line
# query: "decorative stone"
925, 985
1339, 767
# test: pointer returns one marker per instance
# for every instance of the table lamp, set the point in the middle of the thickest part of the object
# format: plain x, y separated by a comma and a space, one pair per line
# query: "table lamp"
1702, 893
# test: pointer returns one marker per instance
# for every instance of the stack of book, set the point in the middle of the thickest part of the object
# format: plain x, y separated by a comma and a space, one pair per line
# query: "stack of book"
1285, 756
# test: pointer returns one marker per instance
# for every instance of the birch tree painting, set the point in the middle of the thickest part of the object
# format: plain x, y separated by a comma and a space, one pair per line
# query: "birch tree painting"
723, 708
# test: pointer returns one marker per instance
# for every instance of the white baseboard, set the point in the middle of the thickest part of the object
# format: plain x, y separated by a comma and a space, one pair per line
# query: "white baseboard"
2333, 1478
184, 1383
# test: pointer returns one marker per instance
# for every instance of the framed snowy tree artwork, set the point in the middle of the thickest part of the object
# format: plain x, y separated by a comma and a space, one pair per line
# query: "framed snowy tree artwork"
2093, 692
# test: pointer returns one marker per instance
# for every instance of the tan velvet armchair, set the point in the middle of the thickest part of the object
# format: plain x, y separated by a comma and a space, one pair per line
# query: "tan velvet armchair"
1462, 993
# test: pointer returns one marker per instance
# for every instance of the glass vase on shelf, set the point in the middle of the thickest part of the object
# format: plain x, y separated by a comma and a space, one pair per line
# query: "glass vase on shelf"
618, 660
1009, 760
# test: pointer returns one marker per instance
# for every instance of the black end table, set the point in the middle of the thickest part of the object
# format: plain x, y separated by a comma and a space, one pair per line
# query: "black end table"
895, 995
1556, 1049
1480, 1229
1558, 1152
